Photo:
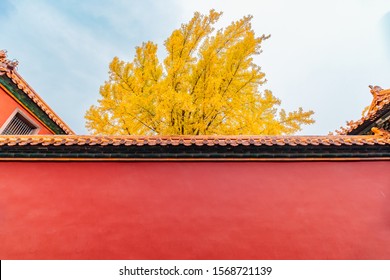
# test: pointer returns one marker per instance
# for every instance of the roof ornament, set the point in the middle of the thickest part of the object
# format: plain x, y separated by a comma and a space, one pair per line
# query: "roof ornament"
375, 89
381, 132
379, 95
380, 101
6, 65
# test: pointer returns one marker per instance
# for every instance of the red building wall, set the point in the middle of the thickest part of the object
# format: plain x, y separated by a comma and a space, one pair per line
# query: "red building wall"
8, 106
195, 210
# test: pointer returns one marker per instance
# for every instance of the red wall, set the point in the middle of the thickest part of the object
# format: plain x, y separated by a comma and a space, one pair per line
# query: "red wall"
8, 106
195, 210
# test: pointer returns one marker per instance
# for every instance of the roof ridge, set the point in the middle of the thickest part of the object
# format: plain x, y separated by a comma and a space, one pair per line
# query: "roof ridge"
8, 67
381, 98
217, 140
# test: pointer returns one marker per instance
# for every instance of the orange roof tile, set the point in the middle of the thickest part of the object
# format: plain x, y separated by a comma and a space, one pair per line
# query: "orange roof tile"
381, 132
381, 99
71, 140
8, 68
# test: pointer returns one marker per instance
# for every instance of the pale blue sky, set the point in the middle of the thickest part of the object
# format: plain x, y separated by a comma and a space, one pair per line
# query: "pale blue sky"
322, 55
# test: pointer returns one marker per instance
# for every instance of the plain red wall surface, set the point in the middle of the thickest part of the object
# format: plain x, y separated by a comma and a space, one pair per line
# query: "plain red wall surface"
195, 210
8, 106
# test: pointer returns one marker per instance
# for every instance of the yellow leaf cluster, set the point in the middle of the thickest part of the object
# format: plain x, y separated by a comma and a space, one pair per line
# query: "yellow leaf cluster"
206, 85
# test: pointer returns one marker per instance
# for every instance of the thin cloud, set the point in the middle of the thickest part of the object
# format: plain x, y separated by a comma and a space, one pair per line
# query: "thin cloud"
70, 45
385, 25
6, 8
320, 56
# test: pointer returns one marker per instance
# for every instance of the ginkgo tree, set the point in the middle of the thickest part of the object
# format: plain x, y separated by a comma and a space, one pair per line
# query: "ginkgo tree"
207, 84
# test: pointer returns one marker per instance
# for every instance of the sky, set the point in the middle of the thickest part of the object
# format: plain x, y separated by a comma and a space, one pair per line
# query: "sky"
322, 55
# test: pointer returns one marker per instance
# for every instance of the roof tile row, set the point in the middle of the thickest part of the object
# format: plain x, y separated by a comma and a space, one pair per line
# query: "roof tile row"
70, 140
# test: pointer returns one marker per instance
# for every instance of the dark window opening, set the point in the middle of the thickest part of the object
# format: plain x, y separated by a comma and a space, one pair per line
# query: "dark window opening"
19, 125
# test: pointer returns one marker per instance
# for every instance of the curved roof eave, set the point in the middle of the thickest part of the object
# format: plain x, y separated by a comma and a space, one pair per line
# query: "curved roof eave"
8, 68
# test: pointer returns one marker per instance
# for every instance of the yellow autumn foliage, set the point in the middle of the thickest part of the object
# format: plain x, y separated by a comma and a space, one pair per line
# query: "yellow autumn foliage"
208, 84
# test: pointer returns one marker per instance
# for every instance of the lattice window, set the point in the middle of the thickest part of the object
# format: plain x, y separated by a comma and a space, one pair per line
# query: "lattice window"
19, 125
